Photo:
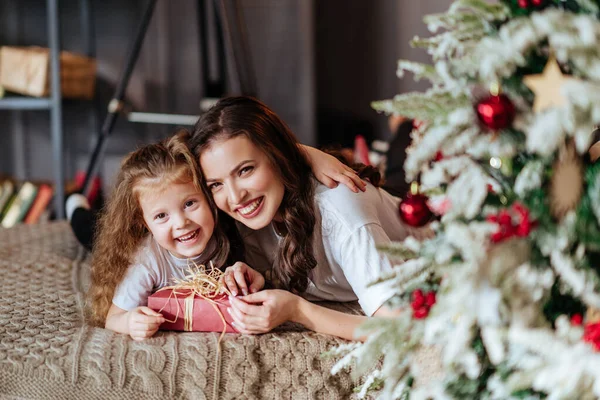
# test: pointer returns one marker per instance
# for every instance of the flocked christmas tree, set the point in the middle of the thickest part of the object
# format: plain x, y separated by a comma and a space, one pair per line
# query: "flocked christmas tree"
508, 289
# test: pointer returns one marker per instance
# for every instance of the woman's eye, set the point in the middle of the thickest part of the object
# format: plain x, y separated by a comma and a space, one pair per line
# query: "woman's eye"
245, 170
160, 216
214, 186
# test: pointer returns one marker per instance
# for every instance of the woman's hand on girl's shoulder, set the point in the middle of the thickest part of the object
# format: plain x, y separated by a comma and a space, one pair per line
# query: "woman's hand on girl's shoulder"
263, 311
330, 171
241, 279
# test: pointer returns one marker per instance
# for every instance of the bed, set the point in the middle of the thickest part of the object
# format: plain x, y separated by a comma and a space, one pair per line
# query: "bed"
48, 352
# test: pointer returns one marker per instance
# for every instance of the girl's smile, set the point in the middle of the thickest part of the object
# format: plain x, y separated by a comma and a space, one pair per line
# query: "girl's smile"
189, 238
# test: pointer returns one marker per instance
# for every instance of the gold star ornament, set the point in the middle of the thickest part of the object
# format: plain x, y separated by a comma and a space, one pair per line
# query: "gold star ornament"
546, 86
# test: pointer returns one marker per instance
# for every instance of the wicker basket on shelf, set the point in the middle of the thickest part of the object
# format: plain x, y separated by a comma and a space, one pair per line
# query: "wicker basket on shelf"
26, 70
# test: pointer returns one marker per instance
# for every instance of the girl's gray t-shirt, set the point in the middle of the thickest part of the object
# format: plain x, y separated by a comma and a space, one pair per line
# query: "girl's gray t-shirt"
153, 269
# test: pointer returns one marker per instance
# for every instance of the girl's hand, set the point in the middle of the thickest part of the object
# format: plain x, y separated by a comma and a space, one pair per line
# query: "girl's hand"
143, 322
240, 278
263, 311
330, 171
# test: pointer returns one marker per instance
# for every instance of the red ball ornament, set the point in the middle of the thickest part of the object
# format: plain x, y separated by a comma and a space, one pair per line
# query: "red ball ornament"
496, 112
414, 210
525, 4
577, 319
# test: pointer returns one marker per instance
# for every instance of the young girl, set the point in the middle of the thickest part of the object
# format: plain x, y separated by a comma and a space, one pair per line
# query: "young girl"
310, 240
157, 221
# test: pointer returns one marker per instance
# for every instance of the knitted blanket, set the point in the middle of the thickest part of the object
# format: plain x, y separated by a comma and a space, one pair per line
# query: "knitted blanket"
48, 352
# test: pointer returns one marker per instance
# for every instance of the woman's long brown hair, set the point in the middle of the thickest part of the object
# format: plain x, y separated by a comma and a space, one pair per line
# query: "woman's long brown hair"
235, 116
121, 227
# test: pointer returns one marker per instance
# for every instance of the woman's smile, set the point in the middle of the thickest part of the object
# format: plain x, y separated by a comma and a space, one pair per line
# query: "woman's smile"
252, 208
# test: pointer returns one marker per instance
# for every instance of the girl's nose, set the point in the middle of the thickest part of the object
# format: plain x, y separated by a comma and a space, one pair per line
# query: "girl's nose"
180, 220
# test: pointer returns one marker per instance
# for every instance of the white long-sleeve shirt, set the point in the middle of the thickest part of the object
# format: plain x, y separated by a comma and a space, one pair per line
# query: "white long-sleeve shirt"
349, 227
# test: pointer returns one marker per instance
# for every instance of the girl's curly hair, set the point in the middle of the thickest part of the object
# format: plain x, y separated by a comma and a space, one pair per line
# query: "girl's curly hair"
121, 227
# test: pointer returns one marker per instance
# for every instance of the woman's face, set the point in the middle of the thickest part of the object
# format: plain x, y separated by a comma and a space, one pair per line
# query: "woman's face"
243, 182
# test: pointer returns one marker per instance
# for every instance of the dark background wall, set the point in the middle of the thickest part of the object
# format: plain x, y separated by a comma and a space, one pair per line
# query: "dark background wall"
358, 45
317, 63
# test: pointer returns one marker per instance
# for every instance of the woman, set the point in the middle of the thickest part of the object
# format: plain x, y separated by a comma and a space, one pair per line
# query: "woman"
316, 243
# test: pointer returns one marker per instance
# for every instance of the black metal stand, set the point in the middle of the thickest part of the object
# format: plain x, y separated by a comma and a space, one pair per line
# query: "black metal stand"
214, 88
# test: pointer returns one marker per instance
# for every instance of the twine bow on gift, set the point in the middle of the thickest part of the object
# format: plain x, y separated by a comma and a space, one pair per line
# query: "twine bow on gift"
204, 282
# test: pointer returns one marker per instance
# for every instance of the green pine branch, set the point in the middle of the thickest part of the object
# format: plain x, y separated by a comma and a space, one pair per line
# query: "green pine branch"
397, 251
466, 388
465, 24
420, 71
468, 13
432, 105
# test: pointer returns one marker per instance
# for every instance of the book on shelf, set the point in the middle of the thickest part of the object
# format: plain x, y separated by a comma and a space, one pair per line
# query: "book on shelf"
30, 202
40, 204
7, 189
19, 205
25, 202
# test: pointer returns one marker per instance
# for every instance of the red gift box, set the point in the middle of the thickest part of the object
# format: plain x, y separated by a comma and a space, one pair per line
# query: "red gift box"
201, 314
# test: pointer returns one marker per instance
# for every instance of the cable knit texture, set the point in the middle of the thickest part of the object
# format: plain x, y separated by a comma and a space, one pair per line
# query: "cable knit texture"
47, 352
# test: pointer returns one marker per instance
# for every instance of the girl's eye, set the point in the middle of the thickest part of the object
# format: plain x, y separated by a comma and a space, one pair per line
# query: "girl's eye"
189, 203
245, 170
160, 215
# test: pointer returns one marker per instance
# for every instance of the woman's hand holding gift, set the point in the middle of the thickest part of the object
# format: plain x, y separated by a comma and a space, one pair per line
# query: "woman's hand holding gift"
263, 311
240, 278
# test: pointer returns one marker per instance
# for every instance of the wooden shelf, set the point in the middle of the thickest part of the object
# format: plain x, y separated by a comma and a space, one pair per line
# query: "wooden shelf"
14, 102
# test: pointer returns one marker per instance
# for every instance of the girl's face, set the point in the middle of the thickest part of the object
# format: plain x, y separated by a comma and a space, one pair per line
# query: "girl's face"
243, 182
179, 217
